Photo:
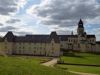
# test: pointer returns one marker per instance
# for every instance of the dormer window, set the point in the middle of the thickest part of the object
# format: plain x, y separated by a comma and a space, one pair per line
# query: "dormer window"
52, 41
5, 40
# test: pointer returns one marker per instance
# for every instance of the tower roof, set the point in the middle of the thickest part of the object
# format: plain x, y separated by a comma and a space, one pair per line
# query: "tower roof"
9, 36
80, 24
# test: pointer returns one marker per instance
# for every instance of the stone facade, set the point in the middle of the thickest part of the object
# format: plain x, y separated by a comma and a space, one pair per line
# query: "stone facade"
81, 42
41, 45
49, 45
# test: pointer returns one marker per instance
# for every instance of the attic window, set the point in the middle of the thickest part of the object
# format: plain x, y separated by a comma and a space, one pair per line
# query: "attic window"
5, 39
52, 44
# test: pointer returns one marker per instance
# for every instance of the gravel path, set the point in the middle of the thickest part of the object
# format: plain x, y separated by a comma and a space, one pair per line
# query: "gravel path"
80, 73
51, 63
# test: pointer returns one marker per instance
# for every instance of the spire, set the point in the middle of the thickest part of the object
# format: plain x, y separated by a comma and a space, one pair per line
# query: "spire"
80, 24
72, 33
80, 29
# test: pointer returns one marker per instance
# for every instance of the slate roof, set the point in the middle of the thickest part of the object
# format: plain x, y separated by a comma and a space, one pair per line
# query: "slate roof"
90, 36
98, 42
65, 37
39, 38
54, 36
9, 36
32, 38
80, 24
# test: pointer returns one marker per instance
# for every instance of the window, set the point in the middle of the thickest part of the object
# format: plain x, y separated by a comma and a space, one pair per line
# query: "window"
34, 52
19, 51
40, 52
52, 52
19, 47
61, 45
69, 40
23, 47
78, 45
52, 44
52, 48
5, 47
40, 47
74, 41
34, 47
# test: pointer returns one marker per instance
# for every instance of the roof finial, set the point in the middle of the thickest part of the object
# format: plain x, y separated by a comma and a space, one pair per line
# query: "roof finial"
72, 33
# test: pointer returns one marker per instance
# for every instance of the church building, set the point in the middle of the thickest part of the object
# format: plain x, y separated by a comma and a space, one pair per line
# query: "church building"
81, 42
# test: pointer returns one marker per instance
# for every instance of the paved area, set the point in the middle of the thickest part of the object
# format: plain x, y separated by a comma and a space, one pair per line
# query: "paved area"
51, 62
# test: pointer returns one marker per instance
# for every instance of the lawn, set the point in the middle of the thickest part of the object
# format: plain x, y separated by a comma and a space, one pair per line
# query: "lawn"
81, 58
84, 69
27, 66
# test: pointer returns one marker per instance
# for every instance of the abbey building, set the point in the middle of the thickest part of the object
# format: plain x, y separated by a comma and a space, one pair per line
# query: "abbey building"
81, 42
49, 45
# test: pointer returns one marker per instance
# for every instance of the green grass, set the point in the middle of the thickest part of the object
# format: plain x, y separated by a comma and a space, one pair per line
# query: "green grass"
83, 69
82, 58
27, 66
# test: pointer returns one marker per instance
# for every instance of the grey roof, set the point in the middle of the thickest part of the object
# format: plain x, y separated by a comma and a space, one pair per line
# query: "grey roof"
90, 36
65, 37
32, 38
9, 36
54, 36
98, 42
39, 38
80, 24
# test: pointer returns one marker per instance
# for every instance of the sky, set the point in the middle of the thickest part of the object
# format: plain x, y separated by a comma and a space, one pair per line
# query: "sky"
43, 16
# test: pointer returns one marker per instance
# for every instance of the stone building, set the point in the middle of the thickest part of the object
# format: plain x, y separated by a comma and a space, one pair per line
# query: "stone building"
81, 42
49, 45
41, 45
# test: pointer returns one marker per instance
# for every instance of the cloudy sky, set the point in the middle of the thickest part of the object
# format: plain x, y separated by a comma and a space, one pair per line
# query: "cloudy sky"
43, 16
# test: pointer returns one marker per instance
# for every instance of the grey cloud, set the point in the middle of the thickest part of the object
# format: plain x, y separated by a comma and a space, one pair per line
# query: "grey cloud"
1, 24
7, 10
98, 1
7, 28
63, 32
56, 11
22, 33
62, 23
11, 21
7, 7
66, 30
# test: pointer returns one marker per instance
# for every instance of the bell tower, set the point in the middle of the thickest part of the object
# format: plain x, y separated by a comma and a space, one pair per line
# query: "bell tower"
80, 29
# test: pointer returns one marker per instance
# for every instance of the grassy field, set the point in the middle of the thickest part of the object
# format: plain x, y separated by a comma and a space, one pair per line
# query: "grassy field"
27, 66
83, 69
81, 58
